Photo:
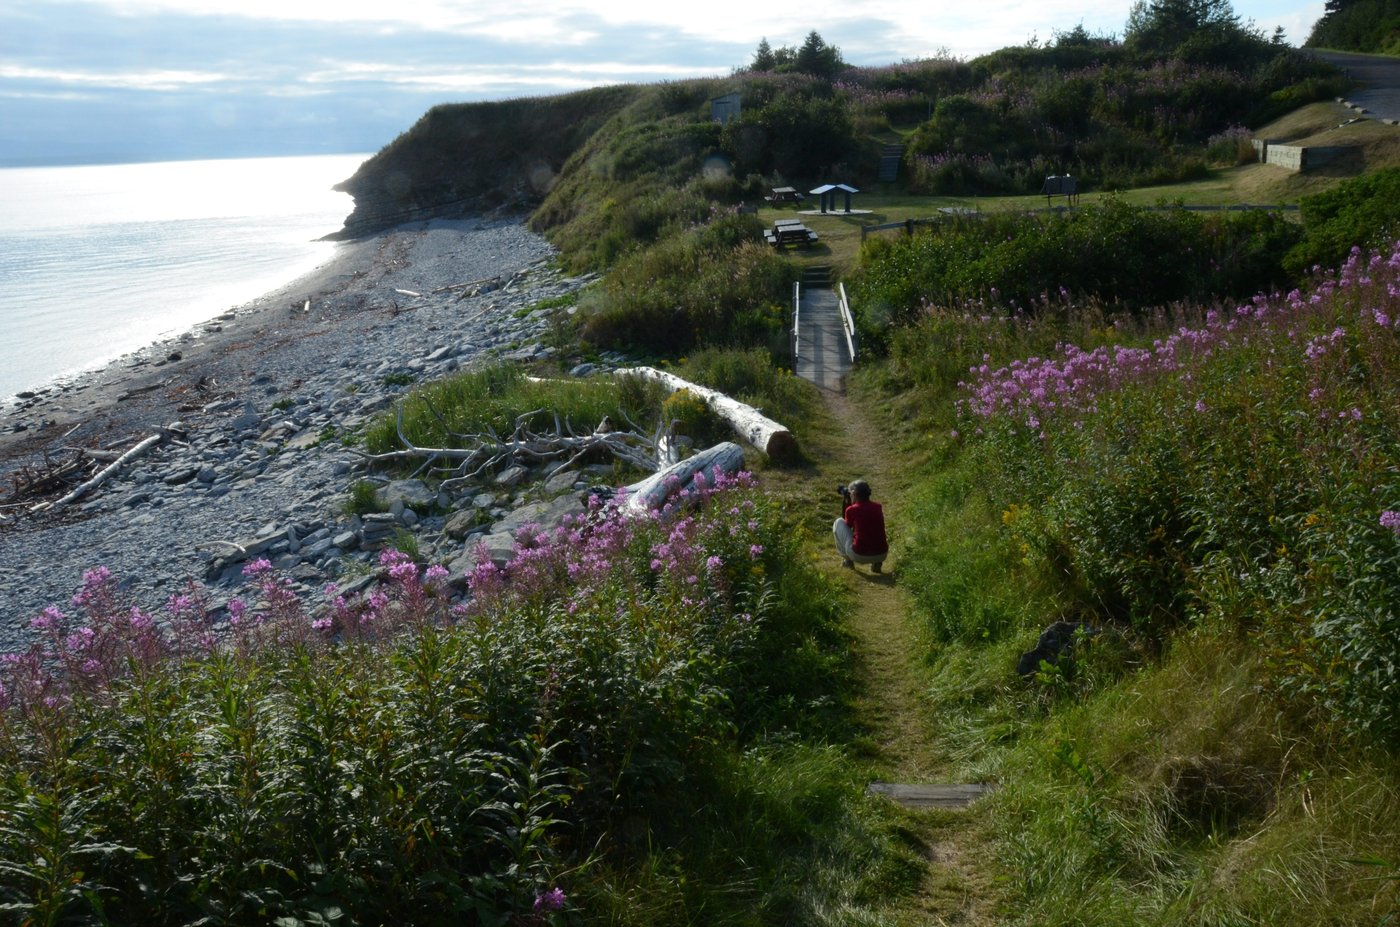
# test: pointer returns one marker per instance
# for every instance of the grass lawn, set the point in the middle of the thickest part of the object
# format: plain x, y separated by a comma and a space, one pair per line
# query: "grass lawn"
1377, 145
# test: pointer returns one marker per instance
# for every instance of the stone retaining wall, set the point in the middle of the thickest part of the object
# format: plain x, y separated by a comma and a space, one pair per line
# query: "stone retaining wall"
1298, 158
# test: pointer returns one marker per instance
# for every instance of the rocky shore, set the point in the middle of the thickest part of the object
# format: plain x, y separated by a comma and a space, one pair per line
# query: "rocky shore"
255, 408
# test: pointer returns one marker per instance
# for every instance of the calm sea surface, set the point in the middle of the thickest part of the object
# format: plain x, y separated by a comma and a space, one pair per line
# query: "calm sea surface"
97, 261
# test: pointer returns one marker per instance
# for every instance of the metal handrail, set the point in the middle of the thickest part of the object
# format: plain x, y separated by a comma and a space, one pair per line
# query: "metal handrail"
796, 322
848, 322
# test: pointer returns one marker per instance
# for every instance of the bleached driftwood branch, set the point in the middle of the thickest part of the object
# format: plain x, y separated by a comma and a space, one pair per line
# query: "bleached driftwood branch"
485, 452
748, 423
103, 475
655, 490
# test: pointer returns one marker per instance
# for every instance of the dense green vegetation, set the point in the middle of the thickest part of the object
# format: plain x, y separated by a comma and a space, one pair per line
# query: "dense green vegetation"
1359, 25
1362, 213
1210, 490
1121, 257
616, 716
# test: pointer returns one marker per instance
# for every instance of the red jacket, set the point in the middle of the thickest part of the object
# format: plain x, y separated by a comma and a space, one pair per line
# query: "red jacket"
867, 521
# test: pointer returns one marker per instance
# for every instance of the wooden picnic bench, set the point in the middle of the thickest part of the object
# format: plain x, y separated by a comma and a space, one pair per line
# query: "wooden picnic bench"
789, 232
783, 195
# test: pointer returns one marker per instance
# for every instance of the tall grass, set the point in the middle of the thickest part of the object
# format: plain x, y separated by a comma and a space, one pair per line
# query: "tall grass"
1210, 488
449, 411
715, 284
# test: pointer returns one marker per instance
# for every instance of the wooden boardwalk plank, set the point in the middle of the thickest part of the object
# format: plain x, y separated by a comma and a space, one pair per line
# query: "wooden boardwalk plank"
822, 356
914, 795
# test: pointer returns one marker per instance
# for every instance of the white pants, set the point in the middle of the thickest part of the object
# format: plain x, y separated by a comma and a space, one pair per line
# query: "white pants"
844, 541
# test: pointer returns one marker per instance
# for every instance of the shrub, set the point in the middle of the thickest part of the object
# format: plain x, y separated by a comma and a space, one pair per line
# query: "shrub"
1360, 212
693, 417
1233, 146
714, 285
1235, 468
752, 377
363, 499
1125, 257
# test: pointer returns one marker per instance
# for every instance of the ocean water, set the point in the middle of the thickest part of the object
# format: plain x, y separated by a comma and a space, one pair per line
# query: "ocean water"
97, 261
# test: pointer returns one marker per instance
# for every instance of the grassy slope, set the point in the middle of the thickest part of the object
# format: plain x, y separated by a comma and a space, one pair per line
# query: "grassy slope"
1174, 794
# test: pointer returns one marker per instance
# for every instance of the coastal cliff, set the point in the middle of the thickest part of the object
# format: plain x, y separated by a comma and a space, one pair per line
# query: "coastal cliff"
466, 158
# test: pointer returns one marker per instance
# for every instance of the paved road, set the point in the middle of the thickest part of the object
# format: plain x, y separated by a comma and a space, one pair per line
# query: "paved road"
1379, 77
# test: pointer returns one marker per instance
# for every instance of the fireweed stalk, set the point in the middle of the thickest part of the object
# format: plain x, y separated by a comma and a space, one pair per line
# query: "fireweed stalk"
1241, 470
704, 548
1068, 386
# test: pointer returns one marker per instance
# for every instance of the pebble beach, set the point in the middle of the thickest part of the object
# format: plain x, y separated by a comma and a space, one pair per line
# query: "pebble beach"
249, 404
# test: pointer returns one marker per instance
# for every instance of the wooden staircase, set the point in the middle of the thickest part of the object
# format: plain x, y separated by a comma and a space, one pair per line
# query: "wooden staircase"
890, 157
816, 275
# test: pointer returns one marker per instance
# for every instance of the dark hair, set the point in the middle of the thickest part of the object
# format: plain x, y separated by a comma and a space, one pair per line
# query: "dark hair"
861, 490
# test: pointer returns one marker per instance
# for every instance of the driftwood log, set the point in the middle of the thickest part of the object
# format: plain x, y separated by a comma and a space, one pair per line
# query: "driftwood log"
653, 492
748, 423
105, 474
489, 452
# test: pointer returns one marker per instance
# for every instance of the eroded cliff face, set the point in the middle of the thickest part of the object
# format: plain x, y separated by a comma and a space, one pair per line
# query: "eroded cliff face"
466, 158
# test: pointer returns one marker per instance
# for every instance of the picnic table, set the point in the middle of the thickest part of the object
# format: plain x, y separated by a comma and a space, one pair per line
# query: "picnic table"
789, 232
779, 195
1060, 185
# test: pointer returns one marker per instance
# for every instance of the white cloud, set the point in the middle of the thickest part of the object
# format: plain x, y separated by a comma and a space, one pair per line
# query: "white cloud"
483, 79
124, 80
920, 28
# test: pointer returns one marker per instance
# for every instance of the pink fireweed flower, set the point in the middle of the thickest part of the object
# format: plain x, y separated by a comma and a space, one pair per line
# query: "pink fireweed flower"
51, 617
1391, 519
80, 640
258, 567
551, 900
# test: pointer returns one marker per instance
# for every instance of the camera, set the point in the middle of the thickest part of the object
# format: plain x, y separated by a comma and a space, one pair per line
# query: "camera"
842, 490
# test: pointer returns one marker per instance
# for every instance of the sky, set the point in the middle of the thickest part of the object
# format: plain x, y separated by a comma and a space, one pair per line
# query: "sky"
99, 81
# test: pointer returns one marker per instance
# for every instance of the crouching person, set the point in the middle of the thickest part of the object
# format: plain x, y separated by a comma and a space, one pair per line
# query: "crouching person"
860, 531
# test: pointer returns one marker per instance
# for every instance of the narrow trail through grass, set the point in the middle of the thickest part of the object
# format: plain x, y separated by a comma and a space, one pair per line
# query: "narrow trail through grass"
889, 705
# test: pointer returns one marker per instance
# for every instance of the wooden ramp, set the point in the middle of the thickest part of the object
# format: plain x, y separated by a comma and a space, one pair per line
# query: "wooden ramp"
822, 354
930, 796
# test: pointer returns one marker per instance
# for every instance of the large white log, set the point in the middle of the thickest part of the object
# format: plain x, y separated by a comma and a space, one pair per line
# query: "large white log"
748, 423
652, 492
